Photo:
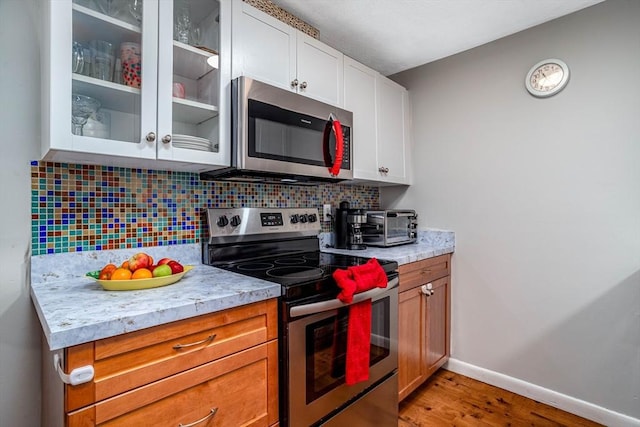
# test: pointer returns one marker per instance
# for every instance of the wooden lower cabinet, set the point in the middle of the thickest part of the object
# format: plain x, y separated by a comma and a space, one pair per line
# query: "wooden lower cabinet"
424, 318
232, 391
142, 379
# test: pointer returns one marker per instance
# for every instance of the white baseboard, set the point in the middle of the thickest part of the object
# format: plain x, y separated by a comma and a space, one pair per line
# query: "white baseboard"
552, 398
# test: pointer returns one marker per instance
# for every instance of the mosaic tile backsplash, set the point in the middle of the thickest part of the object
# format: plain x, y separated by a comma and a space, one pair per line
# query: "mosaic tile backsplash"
90, 208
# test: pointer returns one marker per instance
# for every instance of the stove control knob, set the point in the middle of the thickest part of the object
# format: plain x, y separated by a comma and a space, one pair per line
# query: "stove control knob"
303, 218
222, 221
313, 217
294, 218
235, 220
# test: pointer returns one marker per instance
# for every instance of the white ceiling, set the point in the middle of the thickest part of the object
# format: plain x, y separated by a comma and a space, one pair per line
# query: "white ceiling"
394, 35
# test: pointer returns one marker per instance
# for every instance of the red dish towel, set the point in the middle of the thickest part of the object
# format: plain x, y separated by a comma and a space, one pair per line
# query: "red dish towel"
352, 281
359, 278
358, 342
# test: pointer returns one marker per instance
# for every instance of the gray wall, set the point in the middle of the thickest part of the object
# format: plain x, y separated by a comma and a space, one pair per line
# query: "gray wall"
20, 125
544, 197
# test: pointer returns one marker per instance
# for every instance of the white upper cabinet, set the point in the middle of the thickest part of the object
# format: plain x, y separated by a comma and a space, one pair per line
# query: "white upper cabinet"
360, 99
273, 52
381, 122
161, 101
392, 122
263, 47
319, 70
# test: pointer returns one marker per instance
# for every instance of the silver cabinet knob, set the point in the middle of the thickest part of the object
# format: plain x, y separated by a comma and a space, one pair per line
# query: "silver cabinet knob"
303, 85
151, 136
294, 83
166, 139
382, 169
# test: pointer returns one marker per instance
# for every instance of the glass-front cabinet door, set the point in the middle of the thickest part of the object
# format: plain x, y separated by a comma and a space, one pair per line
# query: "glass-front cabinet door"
134, 83
189, 80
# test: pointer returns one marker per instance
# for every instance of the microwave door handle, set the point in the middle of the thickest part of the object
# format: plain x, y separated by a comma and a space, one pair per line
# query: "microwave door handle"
333, 125
319, 307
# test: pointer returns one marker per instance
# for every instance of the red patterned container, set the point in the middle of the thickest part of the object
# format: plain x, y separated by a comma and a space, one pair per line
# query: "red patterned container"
131, 58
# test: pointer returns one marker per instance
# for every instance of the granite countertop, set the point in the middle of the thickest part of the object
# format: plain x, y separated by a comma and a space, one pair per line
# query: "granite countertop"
430, 243
74, 309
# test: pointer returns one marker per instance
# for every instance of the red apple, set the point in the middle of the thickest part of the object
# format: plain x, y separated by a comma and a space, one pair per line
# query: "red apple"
140, 260
164, 261
176, 267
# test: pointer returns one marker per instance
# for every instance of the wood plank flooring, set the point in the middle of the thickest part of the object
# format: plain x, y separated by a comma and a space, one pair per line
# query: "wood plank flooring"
450, 399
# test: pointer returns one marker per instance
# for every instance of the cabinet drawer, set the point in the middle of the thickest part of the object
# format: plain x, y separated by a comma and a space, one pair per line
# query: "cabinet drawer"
242, 389
421, 272
127, 361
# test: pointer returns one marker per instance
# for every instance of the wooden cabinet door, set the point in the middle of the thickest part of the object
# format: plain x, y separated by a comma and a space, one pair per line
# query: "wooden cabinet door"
241, 389
437, 328
392, 102
360, 99
411, 341
319, 70
424, 320
264, 48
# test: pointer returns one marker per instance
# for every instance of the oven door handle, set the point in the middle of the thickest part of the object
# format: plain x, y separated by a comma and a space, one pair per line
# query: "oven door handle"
319, 307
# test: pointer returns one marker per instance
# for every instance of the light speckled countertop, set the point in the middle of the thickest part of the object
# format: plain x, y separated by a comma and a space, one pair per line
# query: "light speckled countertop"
73, 309
430, 243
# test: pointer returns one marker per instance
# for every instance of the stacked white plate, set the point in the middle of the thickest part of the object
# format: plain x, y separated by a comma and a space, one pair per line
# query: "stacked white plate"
192, 142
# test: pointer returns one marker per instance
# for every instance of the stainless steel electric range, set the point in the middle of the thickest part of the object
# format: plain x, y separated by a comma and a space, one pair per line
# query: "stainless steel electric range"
281, 245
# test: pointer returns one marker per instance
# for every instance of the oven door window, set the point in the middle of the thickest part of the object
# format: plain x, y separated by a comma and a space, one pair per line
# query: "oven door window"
279, 134
326, 348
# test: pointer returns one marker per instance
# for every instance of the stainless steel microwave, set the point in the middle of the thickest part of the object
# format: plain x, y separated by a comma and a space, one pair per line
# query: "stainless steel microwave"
390, 227
278, 135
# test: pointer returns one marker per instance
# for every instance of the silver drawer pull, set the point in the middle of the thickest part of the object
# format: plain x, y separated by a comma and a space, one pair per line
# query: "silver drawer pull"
209, 415
206, 340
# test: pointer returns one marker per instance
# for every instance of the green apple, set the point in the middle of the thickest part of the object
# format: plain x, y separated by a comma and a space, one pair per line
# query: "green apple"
162, 270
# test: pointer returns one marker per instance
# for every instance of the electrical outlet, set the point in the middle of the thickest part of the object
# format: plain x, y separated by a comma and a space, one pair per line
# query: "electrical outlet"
326, 212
